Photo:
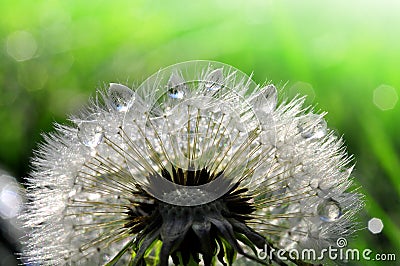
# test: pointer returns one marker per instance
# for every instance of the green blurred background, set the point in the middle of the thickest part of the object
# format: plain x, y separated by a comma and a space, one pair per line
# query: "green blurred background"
345, 55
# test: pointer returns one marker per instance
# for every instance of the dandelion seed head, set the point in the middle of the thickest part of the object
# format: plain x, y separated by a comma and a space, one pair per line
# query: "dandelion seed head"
194, 161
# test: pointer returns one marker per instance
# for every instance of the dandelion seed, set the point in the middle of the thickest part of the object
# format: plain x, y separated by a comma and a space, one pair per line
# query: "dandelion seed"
198, 164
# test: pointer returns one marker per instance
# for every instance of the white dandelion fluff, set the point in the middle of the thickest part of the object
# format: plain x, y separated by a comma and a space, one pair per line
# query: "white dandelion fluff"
198, 164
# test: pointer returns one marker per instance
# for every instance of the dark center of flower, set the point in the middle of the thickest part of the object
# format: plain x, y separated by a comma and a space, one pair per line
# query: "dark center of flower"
190, 177
186, 232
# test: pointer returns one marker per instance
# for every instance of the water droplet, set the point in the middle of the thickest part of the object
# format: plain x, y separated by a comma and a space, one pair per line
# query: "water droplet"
266, 99
175, 93
214, 80
176, 86
120, 97
329, 210
312, 126
314, 183
93, 196
106, 257
90, 134
72, 193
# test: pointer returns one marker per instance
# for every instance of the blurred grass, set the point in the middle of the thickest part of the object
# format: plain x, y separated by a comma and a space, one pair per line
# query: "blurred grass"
338, 52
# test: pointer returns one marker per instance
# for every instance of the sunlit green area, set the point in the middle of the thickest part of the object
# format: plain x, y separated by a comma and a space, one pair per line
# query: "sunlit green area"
345, 55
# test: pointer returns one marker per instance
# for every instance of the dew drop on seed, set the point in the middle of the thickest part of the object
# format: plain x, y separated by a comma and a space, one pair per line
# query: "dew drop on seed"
266, 99
90, 134
121, 97
329, 210
93, 196
314, 183
106, 257
72, 193
214, 80
312, 126
176, 86
174, 93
